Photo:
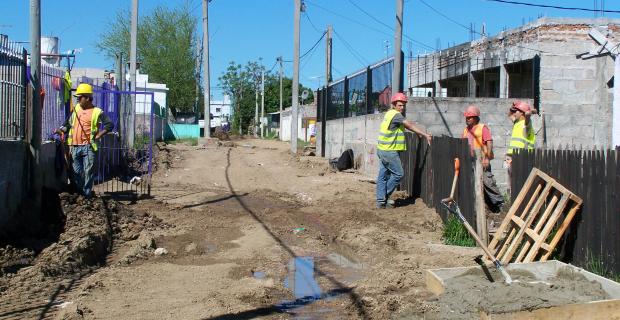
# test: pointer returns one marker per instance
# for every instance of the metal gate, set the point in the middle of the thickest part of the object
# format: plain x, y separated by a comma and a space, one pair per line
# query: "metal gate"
125, 159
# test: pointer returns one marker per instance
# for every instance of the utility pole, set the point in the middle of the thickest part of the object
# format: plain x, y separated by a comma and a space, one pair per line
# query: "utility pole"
197, 74
328, 56
256, 109
117, 82
132, 72
205, 66
36, 112
295, 89
262, 102
398, 38
280, 121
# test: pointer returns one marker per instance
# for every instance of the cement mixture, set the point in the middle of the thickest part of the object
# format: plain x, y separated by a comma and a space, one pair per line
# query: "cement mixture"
469, 294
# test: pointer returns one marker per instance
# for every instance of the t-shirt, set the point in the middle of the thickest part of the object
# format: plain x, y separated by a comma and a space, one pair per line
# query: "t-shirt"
396, 121
81, 131
486, 136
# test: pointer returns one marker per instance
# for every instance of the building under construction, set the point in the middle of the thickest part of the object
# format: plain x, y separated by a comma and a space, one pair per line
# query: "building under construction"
565, 66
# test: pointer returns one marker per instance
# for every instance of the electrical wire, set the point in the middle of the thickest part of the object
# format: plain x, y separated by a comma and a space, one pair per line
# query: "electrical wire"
554, 7
369, 27
312, 24
389, 27
353, 52
470, 29
305, 53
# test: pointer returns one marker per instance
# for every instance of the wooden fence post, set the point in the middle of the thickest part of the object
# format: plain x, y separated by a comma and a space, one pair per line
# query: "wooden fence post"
479, 207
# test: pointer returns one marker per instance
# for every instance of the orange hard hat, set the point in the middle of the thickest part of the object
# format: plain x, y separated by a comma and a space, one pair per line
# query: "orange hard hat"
521, 106
399, 97
472, 111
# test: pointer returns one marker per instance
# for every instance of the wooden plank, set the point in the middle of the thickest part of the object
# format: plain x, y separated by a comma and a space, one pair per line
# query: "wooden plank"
547, 229
528, 220
480, 210
546, 213
513, 209
597, 310
560, 232
513, 231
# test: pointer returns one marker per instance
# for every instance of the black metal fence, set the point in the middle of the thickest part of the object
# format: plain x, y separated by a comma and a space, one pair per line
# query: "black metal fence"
593, 175
367, 91
429, 172
12, 89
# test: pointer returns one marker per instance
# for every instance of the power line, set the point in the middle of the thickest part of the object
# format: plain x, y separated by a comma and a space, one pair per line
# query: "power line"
470, 29
312, 24
303, 55
389, 27
354, 53
367, 26
314, 46
554, 7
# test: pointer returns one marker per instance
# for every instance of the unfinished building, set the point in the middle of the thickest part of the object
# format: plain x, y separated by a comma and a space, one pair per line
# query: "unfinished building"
546, 61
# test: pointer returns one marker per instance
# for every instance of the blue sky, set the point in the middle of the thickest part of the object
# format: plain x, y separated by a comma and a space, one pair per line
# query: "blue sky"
243, 30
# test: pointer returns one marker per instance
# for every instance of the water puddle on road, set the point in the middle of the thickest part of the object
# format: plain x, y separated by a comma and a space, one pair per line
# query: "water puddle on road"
303, 281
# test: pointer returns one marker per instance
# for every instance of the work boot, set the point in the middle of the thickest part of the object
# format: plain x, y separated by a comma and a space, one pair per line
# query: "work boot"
380, 206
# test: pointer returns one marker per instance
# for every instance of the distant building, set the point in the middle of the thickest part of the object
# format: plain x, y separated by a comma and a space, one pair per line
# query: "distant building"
221, 110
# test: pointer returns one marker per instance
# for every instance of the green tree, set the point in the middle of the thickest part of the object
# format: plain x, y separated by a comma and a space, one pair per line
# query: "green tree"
242, 83
166, 49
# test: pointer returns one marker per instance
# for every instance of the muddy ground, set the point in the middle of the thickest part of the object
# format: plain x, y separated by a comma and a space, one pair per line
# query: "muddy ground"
247, 231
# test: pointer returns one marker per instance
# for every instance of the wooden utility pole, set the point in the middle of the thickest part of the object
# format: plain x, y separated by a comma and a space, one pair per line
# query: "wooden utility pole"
481, 216
295, 89
328, 56
398, 39
205, 67
132, 72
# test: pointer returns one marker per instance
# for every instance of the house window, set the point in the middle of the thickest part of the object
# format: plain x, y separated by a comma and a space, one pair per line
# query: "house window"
218, 109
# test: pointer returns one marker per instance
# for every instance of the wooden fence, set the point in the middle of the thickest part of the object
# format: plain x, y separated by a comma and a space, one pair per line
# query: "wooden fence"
593, 175
429, 171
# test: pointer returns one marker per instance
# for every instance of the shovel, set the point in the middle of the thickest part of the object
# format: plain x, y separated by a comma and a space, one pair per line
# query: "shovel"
453, 207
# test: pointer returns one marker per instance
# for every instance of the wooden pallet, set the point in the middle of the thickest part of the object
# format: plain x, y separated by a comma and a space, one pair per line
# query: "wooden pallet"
528, 224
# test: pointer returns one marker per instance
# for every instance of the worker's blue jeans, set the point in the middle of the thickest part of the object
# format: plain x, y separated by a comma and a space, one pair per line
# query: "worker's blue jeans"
83, 160
390, 173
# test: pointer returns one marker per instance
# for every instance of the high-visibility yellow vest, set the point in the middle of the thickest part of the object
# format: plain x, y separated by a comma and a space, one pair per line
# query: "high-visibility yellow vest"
520, 141
391, 140
94, 125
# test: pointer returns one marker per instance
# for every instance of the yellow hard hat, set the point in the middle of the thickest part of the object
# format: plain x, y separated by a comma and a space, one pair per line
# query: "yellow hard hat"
83, 88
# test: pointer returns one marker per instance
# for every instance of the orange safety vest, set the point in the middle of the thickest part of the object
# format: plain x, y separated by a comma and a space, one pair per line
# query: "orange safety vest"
477, 135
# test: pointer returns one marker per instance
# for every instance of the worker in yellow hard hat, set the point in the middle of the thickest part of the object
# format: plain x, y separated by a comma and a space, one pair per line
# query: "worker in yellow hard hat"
83, 127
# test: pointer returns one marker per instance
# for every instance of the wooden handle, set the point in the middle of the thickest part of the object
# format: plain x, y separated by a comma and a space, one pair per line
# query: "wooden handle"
457, 168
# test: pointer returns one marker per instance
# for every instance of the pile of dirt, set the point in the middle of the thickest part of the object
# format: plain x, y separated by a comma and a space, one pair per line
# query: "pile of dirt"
470, 293
92, 227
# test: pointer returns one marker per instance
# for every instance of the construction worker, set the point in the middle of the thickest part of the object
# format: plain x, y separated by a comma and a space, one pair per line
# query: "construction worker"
83, 127
479, 137
523, 136
391, 141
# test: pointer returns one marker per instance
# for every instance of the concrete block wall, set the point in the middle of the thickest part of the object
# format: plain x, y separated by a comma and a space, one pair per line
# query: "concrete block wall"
444, 116
356, 133
14, 177
575, 97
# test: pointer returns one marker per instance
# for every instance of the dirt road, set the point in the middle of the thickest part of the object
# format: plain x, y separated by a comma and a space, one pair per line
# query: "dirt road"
254, 232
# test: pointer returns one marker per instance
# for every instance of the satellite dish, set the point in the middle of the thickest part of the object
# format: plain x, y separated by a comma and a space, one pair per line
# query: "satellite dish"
304, 95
